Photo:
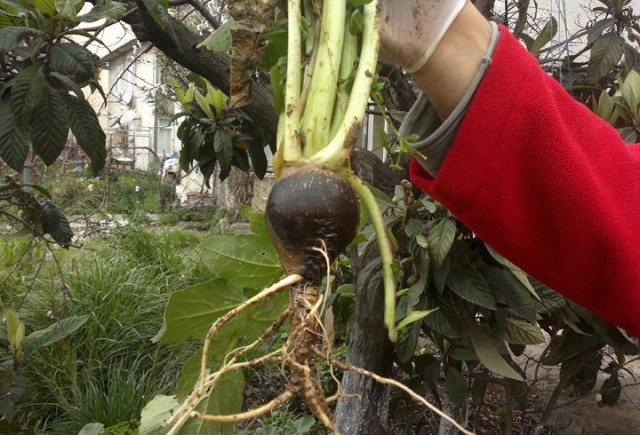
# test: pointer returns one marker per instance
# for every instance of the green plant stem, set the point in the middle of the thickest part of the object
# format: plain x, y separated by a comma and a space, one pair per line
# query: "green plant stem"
337, 151
347, 66
318, 113
386, 256
291, 151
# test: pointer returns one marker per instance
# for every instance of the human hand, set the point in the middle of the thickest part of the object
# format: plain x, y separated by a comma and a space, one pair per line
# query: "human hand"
411, 29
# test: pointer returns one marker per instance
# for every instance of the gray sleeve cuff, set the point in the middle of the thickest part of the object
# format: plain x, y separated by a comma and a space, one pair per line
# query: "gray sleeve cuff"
435, 137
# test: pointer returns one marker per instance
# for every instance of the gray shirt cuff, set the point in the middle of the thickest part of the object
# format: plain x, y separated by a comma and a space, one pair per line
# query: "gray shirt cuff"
435, 137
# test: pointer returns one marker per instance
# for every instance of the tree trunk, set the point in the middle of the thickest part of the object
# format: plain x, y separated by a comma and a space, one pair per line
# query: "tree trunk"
366, 412
239, 187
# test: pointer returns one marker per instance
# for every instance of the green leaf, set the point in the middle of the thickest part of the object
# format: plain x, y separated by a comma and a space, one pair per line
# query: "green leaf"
190, 312
11, 37
510, 292
155, 413
469, 284
550, 300
220, 39
488, 353
47, 7
515, 270
54, 222
456, 386
631, 90
104, 9
54, 332
245, 260
611, 389
87, 131
225, 399
28, 88
522, 332
49, 128
66, 9
257, 221
15, 332
92, 429
413, 317
605, 54
66, 84
73, 60
259, 160
158, 11
546, 35
14, 145
224, 151
440, 239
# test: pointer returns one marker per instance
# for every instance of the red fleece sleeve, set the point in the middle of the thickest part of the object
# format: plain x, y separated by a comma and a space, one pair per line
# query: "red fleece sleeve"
548, 184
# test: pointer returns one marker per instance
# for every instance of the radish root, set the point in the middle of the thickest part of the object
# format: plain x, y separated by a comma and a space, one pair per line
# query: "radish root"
299, 355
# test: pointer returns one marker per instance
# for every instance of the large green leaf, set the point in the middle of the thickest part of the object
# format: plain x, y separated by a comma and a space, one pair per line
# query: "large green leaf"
440, 239
49, 129
155, 413
225, 399
73, 60
487, 350
220, 39
54, 332
191, 312
54, 222
521, 332
11, 37
87, 131
104, 9
223, 146
244, 259
28, 88
457, 387
611, 389
510, 292
469, 284
14, 145
546, 35
605, 54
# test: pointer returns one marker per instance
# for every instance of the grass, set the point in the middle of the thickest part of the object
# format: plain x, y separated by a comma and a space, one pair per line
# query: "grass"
109, 369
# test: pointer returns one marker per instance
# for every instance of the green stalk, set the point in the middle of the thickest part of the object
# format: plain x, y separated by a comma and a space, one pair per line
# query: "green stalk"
347, 67
316, 121
386, 256
291, 150
337, 151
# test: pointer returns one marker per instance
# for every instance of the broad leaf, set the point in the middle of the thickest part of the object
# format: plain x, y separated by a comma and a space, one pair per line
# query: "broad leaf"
611, 389
469, 284
104, 9
92, 429
224, 151
49, 128
14, 145
488, 354
73, 60
13, 391
225, 399
515, 270
191, 312
631, 91
413, 317
440, 239
521, 332
605, 54
246, 260
546, 35
54, 222
510, 292
11, 37
87, 131
220, 39
155, 413
456, 386
54, 332
28, 88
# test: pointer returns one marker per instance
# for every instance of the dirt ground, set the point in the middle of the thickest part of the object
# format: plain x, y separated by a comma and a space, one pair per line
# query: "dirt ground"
587, 415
